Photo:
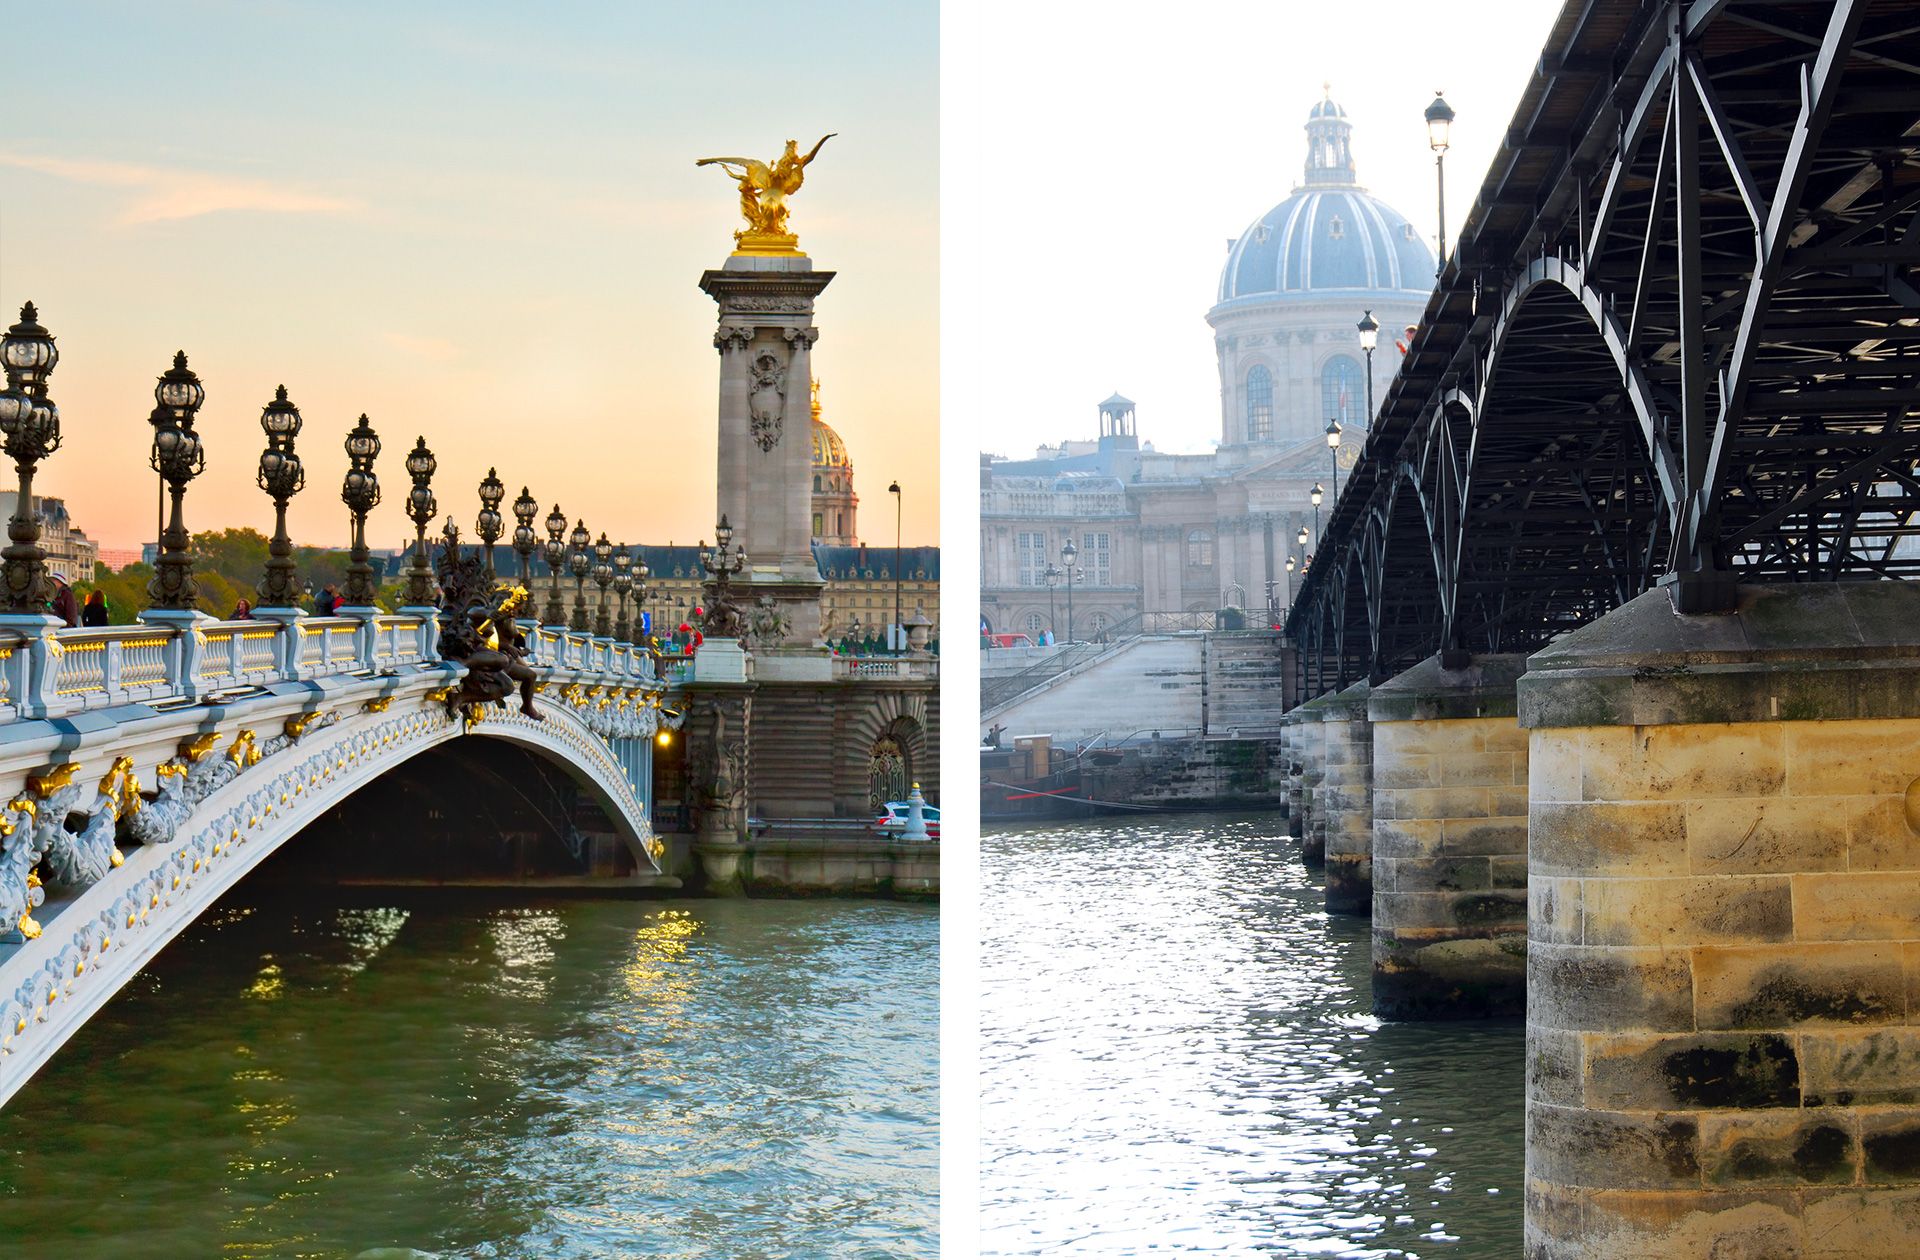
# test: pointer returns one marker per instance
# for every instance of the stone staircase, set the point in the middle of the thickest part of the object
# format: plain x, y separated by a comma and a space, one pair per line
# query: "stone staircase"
1246, 683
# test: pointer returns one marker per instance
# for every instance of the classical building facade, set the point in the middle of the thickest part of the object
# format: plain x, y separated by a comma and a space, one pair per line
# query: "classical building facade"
835, 505
1155, 532
70, 553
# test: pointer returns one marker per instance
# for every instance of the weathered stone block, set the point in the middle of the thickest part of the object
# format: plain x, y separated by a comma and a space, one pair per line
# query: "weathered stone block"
1609, 988
1477, 769
1691, 1071
1556, 914
1505, 835
1866, 1068
1405, 771
1880, 836
1595, 838
1733, 835
1840, 906
1556, 1067
1680, 911
1862, 1224
1779, 1148
1553, 765
1800, 984
1675, 1225
1582, 1146
1890, 1143
1682, 762
1860, 758
1406, 837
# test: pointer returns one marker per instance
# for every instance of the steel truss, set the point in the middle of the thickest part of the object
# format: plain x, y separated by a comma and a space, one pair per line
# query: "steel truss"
1679, 343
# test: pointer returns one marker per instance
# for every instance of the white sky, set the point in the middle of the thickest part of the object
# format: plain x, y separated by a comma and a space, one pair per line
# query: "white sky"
1120, 146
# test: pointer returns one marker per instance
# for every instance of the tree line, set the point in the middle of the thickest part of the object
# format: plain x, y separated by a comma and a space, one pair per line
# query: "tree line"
227, 566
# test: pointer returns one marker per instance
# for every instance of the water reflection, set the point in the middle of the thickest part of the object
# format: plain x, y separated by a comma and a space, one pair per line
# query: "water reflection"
1179, 1059
466, 1078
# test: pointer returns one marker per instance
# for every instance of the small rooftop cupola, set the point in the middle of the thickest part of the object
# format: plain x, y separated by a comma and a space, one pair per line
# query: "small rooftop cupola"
1116, 417
1329, 144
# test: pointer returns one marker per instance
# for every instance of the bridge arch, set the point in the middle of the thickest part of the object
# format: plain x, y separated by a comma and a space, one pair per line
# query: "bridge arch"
231, 795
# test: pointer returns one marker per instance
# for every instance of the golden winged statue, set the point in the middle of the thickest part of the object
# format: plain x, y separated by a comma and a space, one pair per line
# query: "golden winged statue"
764, 189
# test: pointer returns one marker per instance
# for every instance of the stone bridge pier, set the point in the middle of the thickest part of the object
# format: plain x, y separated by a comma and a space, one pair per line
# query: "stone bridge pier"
1449, 842
1313, 767
1290, 750
1346, 793
1723, 1005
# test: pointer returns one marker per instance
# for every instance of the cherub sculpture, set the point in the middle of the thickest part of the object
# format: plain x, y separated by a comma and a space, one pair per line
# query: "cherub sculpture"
477, 630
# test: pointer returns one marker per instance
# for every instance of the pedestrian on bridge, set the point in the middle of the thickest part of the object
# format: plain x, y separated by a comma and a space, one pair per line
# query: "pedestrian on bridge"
94, 611
242, 611
326, 601
64, 605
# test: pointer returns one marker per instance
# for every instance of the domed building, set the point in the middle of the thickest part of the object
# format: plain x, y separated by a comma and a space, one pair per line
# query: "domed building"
834, 502
1295, 286
1161, 533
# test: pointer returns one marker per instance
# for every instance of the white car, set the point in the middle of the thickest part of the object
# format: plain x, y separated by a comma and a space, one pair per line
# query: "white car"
894, 820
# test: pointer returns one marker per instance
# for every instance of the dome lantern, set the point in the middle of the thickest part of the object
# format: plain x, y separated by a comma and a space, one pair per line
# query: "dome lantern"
1329, 144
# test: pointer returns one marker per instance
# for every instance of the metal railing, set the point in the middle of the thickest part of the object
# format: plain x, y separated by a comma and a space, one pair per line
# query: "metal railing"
67, 671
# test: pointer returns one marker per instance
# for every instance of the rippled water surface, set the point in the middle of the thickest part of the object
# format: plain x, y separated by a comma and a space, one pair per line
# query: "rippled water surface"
477, 1078
1179, 1060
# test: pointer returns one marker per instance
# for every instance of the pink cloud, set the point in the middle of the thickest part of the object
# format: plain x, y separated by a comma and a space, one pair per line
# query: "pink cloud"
161, 194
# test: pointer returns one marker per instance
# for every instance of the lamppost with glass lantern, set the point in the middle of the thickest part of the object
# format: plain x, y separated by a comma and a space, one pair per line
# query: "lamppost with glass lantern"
282, 477
1439, 126
1315, 495
1333, 454
178, 457
489, 525
31, 424
1051, 576
898, 501
580, 563
554, 552
1069, 556
421, 509
525, 508
1301, 538
1369, 338
603, 578
723, 563
360, 491
623, 586
640, 575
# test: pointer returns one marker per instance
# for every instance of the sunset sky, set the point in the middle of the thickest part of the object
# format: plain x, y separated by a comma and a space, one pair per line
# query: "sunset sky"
476, 221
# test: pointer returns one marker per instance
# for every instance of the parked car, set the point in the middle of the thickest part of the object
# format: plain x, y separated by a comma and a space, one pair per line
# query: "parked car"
895, 819
1007, 640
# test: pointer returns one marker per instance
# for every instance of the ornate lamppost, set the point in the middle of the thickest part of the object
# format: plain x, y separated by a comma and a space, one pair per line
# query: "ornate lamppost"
603, 578
282, 477
1069, 556
360, 491
580, 561
525, 508
723, 563
31, 424
1302, 538
1439, 125
489, 525
1369, 338
1333, 455
623, 587
1051, 576
899, 501
178, 458
421, 509
1315, 495
554, 552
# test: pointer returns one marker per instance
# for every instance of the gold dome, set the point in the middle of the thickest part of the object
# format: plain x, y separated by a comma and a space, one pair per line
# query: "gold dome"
828, 450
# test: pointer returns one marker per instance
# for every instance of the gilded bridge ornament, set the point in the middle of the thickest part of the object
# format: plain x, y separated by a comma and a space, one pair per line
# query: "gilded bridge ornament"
764, 189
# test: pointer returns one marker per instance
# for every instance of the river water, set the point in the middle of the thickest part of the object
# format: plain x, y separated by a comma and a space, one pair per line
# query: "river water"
469, 1077
1178, 1059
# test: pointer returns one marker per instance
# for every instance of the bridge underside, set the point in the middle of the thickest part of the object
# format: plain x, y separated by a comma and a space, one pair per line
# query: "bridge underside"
1679, 342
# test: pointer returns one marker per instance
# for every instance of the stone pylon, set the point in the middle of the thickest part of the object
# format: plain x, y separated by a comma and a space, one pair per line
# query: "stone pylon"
765, 340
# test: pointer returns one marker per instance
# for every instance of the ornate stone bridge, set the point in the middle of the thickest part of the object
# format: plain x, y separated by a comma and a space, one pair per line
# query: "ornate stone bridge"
1611, 638
146, 769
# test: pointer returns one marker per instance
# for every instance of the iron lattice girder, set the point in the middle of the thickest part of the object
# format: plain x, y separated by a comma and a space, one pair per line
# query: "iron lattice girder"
1706, 220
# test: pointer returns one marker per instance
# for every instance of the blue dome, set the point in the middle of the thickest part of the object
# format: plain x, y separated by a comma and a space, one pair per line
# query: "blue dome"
1328, 238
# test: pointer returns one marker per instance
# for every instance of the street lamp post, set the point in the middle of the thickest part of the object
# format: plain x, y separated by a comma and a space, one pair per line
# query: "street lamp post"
360, 491
282, 477
1302, 539
580, 563
554, 552
178, 457
898, 502
723, 562
31, 424
603, 578
421, 509
1069, 556
489, 525
640, 593
1439, 124
1333, 454
1369, 338
1052, 575
623, 587
1316, 494
525, 508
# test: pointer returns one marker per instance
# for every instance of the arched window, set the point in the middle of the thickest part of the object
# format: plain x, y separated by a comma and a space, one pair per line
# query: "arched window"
1259, 404
1034, 623
817, 531
1343, 391
1099, 624
816, 483
1200, 549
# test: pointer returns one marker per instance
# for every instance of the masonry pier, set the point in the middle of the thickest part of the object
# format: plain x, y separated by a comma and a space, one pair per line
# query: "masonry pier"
1313, 764
1450, 842
1723, 1017
1346, 794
